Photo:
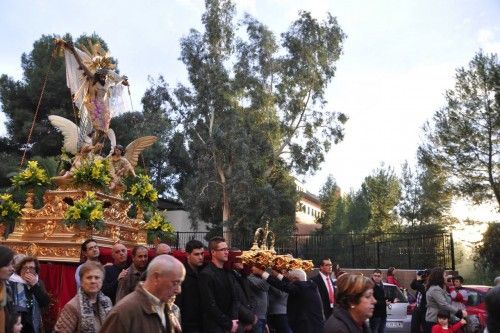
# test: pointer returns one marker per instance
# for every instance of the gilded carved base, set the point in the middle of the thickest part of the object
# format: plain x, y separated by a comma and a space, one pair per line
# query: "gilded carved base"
41, 232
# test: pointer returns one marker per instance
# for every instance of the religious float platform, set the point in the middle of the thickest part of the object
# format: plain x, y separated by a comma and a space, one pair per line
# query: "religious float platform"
43, 233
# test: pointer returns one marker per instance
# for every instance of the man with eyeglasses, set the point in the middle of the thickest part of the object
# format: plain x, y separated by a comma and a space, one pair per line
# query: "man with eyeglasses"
218, 291
89, 251
325, 286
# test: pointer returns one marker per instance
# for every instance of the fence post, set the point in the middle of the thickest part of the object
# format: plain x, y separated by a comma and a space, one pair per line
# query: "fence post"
452, 248
177, 241
296, 254
352, 249
378, 254
409, 252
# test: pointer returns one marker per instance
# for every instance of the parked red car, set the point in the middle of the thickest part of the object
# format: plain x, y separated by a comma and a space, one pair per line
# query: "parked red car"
475, 302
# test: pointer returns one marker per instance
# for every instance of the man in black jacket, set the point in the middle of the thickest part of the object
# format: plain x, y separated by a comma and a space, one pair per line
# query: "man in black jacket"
117, 271
379, 318
218, 292
325, 286
189, 298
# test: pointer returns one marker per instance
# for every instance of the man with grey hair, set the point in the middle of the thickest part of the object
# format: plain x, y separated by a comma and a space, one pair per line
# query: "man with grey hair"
163, 248
148, 308
304, 308
496, 282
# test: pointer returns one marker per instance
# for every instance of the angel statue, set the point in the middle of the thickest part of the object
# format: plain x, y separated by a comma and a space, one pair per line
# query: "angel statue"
97, 90
77, 143
123, 161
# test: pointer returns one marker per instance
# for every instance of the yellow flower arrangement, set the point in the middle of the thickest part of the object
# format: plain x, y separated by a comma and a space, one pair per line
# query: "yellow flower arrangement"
142, 192
159, 228
94, 173
9, 210
32, 176
86, 212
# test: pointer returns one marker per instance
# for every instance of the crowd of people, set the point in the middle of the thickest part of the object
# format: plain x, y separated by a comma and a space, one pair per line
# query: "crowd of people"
167, 295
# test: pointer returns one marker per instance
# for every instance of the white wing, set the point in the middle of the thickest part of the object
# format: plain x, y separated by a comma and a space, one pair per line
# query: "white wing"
70, 132
112, 139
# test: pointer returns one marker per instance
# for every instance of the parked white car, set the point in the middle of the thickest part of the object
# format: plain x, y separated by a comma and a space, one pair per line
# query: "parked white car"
398, 313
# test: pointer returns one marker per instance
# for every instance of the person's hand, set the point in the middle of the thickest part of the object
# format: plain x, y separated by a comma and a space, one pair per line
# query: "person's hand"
30, 278
238, 266
125, 80
122, 274
463, 321
234, 327
257, 271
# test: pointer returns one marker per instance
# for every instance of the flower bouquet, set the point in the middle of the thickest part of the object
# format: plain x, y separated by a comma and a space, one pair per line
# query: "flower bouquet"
159, 229
86, 213
142, 192
9, 210
94, 173
32, 176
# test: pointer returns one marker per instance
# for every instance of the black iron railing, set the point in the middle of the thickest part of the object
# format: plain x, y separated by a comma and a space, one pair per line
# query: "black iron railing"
401, 250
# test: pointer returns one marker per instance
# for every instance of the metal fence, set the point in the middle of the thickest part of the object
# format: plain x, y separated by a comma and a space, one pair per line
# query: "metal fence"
401, 250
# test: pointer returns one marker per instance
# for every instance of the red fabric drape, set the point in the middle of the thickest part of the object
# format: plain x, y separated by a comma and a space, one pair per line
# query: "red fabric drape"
59, 279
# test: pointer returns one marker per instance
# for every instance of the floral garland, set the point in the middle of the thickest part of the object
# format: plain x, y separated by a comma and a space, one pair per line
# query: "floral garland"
159, 228
94, 173
9, 210
30, 177
86, 213
142, 192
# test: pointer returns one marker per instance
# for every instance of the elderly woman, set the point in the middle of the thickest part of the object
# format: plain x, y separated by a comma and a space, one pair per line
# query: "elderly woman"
28, 294
438, 299
354, 305
86, 312
6, 270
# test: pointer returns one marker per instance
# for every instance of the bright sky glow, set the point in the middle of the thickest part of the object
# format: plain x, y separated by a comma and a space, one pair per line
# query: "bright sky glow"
399, 58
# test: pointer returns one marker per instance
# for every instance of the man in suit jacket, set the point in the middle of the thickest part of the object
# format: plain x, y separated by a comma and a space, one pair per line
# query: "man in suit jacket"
325, 286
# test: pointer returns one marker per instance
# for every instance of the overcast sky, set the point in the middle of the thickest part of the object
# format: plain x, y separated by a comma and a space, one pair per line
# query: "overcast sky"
399, 58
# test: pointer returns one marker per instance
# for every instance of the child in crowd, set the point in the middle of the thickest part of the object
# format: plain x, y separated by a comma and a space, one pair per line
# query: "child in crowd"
14, 324
443, 325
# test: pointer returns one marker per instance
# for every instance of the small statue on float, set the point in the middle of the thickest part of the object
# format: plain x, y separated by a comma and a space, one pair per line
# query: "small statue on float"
123, 161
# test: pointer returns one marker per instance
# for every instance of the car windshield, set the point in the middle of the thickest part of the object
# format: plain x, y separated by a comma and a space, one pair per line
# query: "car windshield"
393, 292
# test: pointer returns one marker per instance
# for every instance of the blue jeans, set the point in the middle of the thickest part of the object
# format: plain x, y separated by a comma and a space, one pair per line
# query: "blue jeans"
260, 326
377, 324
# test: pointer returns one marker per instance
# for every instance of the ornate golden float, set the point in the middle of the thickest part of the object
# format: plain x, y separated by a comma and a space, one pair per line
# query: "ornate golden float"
263, 255
42, 233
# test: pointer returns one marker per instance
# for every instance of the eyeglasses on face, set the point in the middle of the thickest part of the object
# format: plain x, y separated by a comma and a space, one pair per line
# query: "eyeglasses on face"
28, 268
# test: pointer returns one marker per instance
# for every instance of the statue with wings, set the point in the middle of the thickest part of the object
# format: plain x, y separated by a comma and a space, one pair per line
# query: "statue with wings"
97, 90
122, 161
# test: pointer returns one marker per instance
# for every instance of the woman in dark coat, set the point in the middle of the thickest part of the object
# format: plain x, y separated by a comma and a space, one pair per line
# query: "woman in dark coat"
28, 294
354, 305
